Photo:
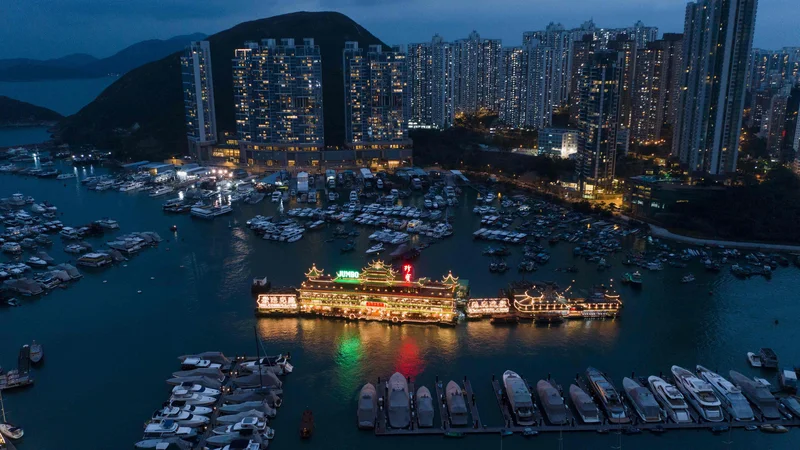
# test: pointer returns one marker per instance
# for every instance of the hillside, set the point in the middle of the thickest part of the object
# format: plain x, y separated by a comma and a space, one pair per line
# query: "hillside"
151, 95
17, 113
81, 65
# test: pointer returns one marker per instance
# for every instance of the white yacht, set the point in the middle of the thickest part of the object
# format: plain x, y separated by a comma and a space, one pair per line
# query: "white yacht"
109, 224
377, 248
180, 404
69, 233
195, 389
699, 393
65, 176
730, 396
248, 423
167, 428
519, 397
161, 190
183, 418
671, 399
399, 402
12, 247
131, 186
194, 362
191, 398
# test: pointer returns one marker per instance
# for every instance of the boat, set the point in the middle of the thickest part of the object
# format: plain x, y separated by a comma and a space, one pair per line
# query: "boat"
399, 406
183, 418
504, 319
586, 408
6, 429
161, 190
519, 397
195, 389
191, 398
65, 176
260, 285
729, 395
307, 424
12, 247
774, 428
769, 360
425, 409
108, 224
35, 261
94, 259
163, 443
753, 359
634, 278
367, 407
248, 423
37, 353
671, 399
644, 403
552, 403
254, 405
792, 403
454, 434
699, 393
687, 278
181, 405
167, 428
788, 380
456, 406
377, 248
210, 212
608, 396
758, 394
194, 362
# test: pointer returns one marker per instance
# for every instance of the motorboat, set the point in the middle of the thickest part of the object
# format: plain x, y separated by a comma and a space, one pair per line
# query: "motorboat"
687, 278
519, 397
203, 380
643, 401
456, 406
180, 404
753, 359
261, 379
729, 395
758, 394
183, 418
248, 423
792, 403
239, 440
244, 444
164, 443
608, 396
671, 399
167, 428
307, 424
196, 389
198, 363
279, 365
209, 374
552, 402
586, 408
425, 409
108, 224
191, 398
12, 247
254, 405
65, 176
210, 212
161, 190
399, 405
367, 407
37, 352
377, 248
699, 393
242, 415
35, 261
11, 431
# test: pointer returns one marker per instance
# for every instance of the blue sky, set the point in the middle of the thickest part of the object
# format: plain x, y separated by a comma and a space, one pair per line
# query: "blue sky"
52, 28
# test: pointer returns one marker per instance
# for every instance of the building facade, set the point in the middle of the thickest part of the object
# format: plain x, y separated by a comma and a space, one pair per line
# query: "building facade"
718, 38
278, 102
198, 99
559, 41
515, 87
558, 142
430, 73
656, 89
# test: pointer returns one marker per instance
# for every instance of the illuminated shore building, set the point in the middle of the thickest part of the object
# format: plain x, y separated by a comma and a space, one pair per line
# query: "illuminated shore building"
277, 90
379, 292
198, 99
278, 303
541, 300
377, 106
484, 308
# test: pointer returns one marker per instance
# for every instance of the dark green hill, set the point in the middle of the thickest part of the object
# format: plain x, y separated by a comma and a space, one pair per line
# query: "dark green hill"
151, 95
17, 113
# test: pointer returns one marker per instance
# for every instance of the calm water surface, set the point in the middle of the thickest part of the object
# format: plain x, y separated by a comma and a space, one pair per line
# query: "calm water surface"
109, 349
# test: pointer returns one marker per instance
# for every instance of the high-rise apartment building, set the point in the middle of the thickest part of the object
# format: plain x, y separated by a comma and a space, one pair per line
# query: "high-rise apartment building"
626, 48
430, 73
515, 86
791, 141
559, 41
539, 104
718, 37
476, 69
198, 99
375, 97
773, 69
598, 124
582, 51
277, 89
656, 88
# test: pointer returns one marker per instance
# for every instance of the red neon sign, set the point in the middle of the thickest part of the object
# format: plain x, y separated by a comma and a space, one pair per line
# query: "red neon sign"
408, 272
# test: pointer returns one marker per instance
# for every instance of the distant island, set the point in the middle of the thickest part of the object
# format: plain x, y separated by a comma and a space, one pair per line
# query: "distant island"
14, 113
141, 115
81, 65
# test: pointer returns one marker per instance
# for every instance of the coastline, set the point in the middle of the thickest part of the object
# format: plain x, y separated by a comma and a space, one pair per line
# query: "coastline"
663, 233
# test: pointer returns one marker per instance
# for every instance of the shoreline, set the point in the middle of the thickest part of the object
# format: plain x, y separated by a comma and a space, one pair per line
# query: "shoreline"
663, 233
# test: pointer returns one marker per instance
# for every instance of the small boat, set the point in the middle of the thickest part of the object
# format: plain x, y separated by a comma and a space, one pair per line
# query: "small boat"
584, 405
687, 278
65, 176
551, 401
643, 401
11, 432
792, 403
456, 406
774, 428
182, 418
201, 410
634, 279
307, 424
454, 434
399, 405
753, 359
37, 353
530, 432
425, 410
192, 363
248, 423
367, 407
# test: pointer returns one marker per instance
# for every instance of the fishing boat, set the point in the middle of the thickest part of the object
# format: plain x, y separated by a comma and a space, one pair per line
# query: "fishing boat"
644, 403
456, 406
552, 402
519, 397
37, 353
425, 411
399, 406
758, 394
307, 424
699, 393
586, 408
729, 395
671, 399
367, 407
608, 396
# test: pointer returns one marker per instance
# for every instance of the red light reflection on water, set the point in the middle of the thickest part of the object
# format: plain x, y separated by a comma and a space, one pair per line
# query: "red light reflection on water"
409, 363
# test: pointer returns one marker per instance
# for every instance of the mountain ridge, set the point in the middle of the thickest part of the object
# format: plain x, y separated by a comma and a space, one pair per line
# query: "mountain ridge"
16, 113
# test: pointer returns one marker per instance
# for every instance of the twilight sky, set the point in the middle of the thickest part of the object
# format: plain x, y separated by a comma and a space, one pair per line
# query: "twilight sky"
52, 28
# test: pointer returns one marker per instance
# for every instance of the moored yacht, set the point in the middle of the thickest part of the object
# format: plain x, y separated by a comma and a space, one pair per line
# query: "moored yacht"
425, 411
699, 393
584, 405
195, 389
643, 401
729, 395
167, 428
758, 394
183, 418
367, 407
399, 405
608, 396
456, 406
161, 190
191, 398
552, 402
519, 397
671, 399
210, 212
377, 248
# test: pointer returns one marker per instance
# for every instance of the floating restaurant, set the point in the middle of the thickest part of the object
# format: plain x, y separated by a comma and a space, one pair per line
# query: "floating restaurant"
378, 292
539, 299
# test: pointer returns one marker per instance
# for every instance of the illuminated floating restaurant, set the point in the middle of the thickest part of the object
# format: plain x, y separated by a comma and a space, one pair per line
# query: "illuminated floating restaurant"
379, 292
539, 299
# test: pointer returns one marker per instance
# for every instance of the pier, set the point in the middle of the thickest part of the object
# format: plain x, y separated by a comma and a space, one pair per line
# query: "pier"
541, 423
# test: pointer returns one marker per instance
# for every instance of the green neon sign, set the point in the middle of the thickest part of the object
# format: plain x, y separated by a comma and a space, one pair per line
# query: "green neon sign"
347, 274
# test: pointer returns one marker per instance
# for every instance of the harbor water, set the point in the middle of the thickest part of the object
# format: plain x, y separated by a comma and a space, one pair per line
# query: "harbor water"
111, 339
